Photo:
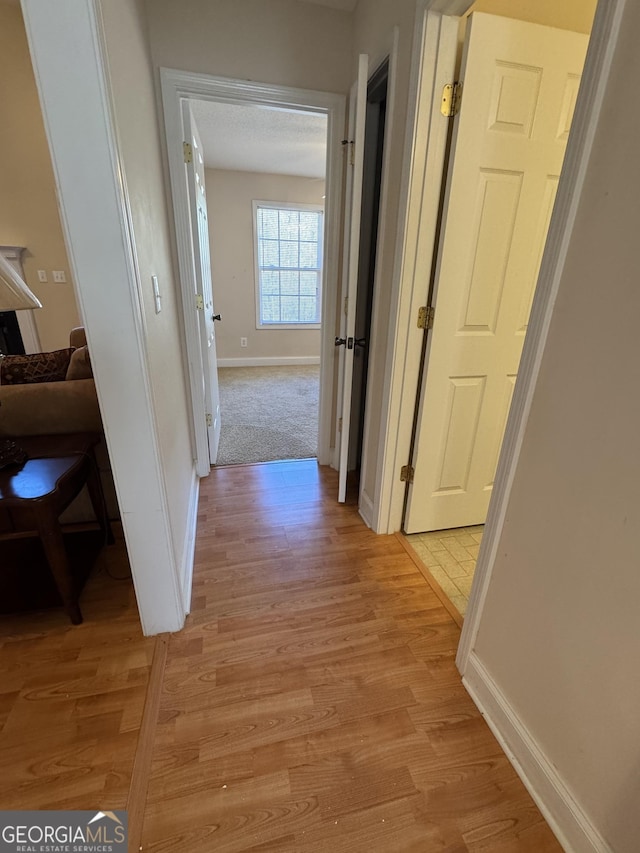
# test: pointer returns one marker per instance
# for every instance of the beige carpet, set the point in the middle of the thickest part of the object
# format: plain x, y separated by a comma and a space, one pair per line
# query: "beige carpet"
268, 413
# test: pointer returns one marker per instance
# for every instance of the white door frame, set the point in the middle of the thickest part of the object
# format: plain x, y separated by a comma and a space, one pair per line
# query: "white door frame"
368, 502
432, 54
432, 66
178, 85
353, 213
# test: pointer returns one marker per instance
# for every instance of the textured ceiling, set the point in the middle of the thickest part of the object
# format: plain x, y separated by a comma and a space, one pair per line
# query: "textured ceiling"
260, 139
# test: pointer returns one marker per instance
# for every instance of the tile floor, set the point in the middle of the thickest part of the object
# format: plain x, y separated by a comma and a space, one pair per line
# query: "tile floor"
450, 556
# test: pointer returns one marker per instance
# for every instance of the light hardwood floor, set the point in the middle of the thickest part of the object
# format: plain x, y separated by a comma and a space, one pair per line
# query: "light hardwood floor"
72, 697
311, 704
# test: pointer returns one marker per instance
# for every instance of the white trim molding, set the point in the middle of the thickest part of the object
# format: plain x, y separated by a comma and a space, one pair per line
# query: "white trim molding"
433, 63
368, 503
365, 509
270, 361
188, 553
178, 86
570, 824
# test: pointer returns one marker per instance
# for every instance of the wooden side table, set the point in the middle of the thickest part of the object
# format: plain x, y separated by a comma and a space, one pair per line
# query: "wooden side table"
36, 494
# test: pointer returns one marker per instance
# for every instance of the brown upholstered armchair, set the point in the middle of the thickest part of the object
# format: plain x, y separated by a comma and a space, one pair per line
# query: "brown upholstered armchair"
49, 398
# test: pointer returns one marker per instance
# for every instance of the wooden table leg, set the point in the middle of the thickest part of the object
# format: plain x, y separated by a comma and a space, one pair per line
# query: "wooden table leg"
94, 487
56, 555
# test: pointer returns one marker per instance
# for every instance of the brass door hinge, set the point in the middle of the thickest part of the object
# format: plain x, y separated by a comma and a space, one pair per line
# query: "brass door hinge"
199, 302
339, 424
187, 152
451, 98
346, 305
209, 420
426, 316
406, 474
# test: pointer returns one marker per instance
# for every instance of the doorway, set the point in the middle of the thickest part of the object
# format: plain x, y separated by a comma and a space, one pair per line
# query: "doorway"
179, 87
265, 190
500, 192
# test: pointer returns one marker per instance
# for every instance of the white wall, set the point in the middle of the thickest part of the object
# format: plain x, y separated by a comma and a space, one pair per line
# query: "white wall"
132, 84
271, 41
559, 630
230, 196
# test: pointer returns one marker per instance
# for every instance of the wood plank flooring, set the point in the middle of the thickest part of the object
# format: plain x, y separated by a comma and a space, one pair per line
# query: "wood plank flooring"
72, 697
312, 702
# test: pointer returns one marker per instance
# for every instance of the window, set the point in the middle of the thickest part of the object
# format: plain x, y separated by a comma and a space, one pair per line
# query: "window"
289, 264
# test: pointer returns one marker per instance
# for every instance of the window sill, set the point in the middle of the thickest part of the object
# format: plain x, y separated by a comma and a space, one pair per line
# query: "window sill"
289, 326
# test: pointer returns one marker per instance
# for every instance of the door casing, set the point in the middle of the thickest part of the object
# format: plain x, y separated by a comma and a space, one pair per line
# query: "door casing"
375, 126
180, 85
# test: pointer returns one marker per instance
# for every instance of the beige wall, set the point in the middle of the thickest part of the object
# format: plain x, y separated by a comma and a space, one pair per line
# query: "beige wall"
279, 41
28, 208
559, 631
374, 24
137, 124
229, 204
574, 15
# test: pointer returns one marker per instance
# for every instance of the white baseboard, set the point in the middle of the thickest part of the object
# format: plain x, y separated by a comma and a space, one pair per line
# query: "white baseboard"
365, 509
188, 553
570, 824
275, 361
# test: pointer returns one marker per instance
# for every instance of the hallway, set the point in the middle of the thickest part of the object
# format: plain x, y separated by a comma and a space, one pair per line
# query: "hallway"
311, 703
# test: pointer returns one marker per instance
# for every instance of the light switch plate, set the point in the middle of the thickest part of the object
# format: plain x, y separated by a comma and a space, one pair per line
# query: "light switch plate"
42, 275
58, 276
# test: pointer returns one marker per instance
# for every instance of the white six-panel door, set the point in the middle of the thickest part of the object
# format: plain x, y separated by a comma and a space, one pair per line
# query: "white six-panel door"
201, 253
520, 83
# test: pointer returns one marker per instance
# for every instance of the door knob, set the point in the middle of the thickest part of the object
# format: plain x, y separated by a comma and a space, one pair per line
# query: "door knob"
360, 342
340, 342
216, 317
